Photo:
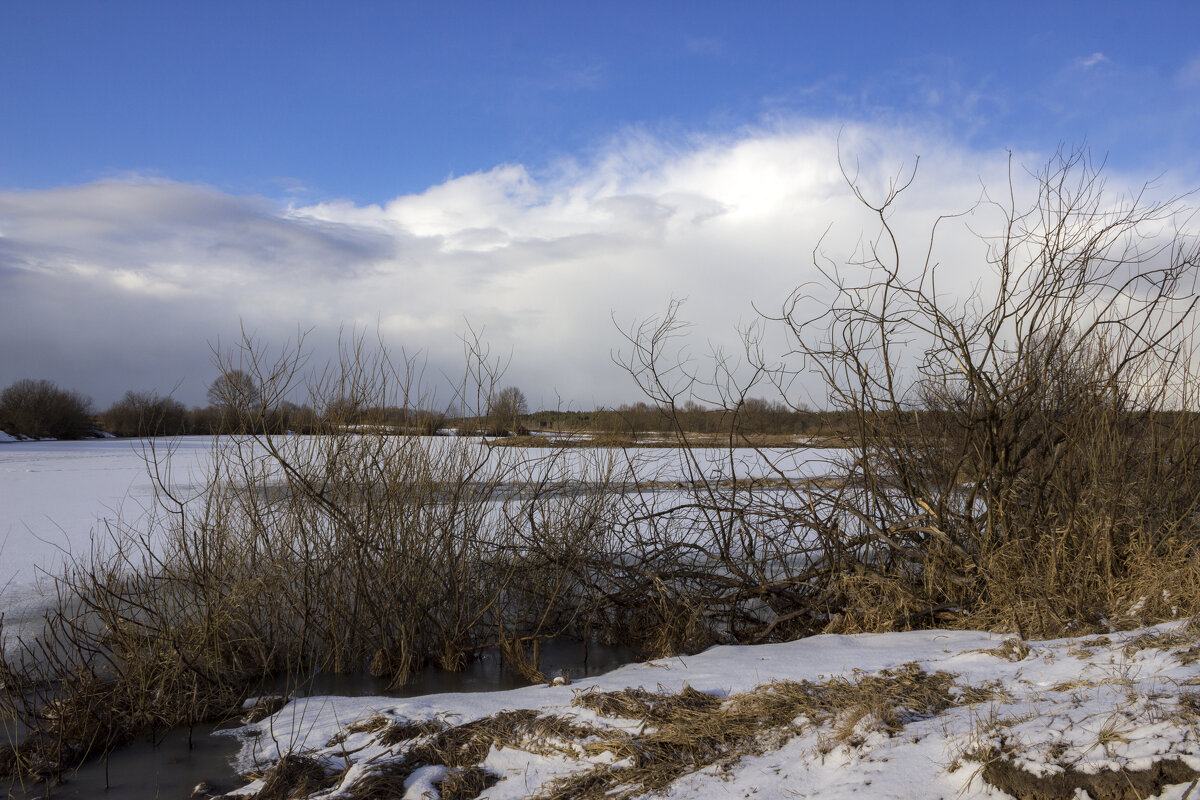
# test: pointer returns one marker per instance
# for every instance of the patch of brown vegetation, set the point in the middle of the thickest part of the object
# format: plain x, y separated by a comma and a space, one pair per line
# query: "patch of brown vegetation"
1182, 636
1011, 649
366, 725
466, 783
462, 748
385, 782
468, 744
1123, 784
293, 776
642, 704
397, 732
691, 730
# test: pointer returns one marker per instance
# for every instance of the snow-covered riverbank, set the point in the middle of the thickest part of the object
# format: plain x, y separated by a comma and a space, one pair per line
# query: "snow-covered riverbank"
922, 714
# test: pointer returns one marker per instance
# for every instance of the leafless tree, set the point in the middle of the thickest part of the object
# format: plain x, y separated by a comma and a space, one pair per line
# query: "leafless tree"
1021, 456
505, 409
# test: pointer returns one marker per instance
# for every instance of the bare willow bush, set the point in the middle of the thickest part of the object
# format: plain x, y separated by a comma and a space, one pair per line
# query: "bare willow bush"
353, 550
1025, 457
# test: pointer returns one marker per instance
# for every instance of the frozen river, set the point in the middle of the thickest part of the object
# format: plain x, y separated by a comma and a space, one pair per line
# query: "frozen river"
57, 499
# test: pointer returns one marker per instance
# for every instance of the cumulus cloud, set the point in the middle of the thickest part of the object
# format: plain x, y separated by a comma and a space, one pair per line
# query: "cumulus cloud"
124, 284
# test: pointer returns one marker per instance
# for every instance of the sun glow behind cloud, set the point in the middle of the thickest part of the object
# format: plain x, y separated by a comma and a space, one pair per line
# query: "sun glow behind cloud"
124, 284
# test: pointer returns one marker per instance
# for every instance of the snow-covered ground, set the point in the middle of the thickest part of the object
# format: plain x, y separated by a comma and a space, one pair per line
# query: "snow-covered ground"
1111, 706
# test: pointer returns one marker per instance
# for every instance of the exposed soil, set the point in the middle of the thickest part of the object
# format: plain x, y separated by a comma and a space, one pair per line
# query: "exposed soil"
1107, 785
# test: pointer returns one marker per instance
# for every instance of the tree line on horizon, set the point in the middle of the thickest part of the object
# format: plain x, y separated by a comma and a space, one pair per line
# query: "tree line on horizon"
40, 409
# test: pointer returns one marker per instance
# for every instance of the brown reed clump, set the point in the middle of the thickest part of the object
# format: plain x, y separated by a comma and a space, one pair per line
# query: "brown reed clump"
294, 775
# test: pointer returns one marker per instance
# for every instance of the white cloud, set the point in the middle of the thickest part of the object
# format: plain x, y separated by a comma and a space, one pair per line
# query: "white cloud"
122, 284
1092, 60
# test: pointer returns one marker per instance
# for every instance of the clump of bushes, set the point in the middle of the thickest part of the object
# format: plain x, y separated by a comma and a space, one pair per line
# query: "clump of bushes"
145, 414
39, 409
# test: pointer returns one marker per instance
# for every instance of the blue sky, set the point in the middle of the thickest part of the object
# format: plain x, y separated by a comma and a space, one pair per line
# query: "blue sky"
148, 148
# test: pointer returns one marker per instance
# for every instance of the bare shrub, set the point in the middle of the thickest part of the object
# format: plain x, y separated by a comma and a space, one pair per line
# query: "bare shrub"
145, 414
1026, 458
348, 550
505, 410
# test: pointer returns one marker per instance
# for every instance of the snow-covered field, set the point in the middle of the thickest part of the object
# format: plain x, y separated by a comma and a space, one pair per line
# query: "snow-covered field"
1097, 708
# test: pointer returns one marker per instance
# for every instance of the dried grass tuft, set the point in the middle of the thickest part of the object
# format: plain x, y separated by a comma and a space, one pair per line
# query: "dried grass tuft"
366, 725
468, 744
295, 775
396, 732
385, 782
650, 706
1187, 635
466, 783
463, 748
1011, 649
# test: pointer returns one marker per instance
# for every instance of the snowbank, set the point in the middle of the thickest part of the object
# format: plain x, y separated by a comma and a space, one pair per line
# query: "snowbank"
1077, 710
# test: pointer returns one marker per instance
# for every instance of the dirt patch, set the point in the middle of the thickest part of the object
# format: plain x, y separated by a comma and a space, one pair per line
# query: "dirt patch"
1106, 785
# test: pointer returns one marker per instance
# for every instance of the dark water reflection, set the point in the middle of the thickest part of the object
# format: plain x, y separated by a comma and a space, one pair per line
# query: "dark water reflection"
486, 673
170, 765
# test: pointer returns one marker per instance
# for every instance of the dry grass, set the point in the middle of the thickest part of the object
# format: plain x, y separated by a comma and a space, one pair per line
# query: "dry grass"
1011, 649
468, 744
396, 732
466, 783
369, 724
293, 776
1185, 636
690, 730
385, 782
649, 706
681, 732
